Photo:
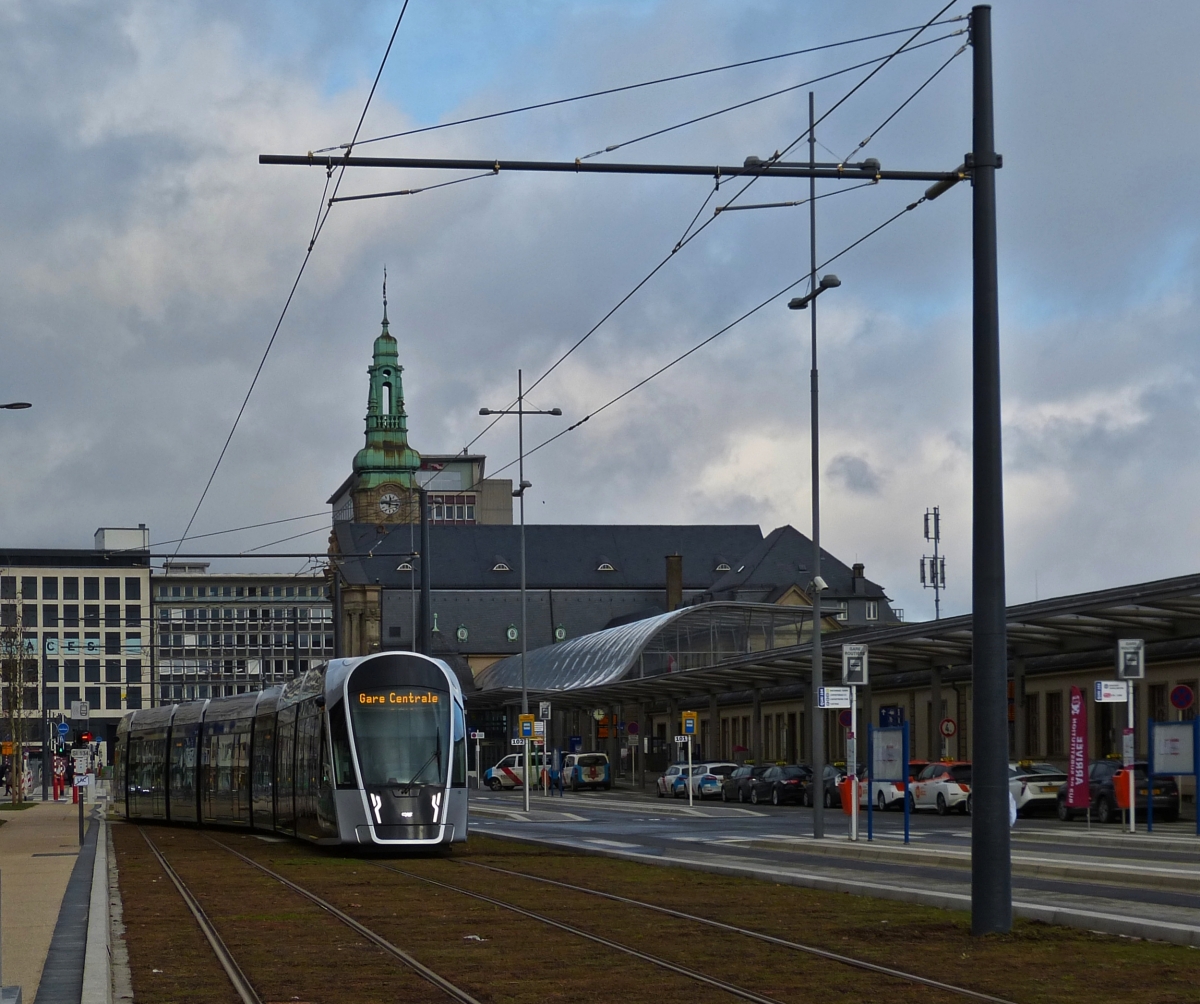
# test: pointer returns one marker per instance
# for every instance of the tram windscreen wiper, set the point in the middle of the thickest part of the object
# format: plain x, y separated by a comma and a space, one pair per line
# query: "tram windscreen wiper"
435, 756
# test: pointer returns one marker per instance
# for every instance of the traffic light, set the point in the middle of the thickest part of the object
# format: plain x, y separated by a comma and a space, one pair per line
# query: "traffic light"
85, 737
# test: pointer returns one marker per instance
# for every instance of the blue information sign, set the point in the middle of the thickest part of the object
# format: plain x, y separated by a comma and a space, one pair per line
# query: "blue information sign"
63, 728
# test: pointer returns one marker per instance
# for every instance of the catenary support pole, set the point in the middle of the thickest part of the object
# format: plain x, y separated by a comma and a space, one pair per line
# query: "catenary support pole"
426, 621
818, 716
991, 862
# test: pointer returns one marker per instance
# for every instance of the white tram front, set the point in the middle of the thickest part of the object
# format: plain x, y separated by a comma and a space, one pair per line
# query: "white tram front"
369, 751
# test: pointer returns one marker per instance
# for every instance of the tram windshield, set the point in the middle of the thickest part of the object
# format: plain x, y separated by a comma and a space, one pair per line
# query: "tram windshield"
402, 736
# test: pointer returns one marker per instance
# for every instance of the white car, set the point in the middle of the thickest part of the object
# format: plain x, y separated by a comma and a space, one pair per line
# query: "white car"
707, 778
890, 794
665, 783
1035, 786
510, 772
942, 786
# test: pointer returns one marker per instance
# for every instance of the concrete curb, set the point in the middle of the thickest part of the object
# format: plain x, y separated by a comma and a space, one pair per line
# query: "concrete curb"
97, 958
1106, 923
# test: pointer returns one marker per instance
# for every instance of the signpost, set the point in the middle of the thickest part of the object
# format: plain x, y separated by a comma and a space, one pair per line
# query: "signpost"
854, 675
887, 760
478, 737
1182, 697
526, 724
1131, 665
80, 710
690, 721
1112, 691
544, 710
833, 697
947, 728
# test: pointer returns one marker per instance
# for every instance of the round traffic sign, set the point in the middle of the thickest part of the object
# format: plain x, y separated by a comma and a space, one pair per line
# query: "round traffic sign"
844, 718
1182, 697
947, 728
63, 728
631, 729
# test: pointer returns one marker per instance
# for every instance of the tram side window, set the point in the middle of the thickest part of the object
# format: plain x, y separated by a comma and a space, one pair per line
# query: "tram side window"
343, 766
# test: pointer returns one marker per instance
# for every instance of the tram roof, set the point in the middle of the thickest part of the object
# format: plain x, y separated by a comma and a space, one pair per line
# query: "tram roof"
1069, 632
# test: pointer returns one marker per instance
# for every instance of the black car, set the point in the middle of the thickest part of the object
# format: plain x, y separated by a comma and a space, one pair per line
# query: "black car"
780, 784
1104, 797
736, 787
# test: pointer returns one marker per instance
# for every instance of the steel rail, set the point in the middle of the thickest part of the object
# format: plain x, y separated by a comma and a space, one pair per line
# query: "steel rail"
783, 942
692, 974
241, 984
848, 172
443, 984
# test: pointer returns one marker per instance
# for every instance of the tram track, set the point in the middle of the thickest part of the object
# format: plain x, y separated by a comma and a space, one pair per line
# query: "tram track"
241, 984
692, 974
847, 960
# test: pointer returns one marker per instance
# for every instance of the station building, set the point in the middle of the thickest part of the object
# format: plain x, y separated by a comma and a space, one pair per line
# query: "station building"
748, 673
580, 578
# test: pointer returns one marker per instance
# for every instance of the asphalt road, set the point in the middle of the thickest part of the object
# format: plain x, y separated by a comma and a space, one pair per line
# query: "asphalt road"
1101, 878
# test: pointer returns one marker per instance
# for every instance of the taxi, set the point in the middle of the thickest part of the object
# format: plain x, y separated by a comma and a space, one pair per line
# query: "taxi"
1035, 785
942, 786
890, 794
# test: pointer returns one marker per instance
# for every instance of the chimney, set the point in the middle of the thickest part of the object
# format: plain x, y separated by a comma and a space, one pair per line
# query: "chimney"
858, 570
674, 581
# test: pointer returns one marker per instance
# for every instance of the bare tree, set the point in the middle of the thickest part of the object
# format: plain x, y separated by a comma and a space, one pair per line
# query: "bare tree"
14, 680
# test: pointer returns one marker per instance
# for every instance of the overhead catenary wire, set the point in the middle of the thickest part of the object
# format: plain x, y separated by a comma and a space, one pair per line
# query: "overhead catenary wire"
715, 335
904, 104
764, 97
412, 191
317, 228
775, 157
625, 87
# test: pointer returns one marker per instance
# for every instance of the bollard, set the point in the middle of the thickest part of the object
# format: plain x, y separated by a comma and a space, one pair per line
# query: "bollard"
79, 799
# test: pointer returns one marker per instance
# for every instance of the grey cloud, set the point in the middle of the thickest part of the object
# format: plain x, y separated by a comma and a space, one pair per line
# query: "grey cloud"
855, 474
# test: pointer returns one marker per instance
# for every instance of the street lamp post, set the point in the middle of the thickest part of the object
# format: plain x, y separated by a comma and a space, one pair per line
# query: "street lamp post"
828, 281
16, 406
521, 411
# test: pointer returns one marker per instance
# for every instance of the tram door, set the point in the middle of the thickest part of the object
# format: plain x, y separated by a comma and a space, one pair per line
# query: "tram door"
263, 780
285, 771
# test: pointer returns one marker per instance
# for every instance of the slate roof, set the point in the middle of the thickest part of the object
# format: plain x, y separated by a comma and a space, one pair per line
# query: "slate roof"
783, 559
557, 556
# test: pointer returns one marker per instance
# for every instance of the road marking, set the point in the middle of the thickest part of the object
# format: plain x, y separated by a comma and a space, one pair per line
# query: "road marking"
608, 843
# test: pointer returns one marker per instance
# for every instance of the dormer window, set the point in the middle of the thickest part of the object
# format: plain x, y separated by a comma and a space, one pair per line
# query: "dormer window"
404, 566
605, 566
723, 567
500, 566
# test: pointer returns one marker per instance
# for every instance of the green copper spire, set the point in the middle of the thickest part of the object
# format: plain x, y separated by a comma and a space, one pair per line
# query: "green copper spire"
387, 458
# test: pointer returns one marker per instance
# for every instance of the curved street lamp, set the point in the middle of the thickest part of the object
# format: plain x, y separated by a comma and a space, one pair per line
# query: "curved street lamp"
16, 406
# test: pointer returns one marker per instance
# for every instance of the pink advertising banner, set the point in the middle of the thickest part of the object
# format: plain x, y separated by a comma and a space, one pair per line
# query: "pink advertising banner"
1078, 795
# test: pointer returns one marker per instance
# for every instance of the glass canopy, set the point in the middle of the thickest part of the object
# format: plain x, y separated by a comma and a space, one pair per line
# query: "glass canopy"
688, 638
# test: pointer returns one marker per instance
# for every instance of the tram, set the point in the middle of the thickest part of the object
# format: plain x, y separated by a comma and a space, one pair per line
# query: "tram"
369, 751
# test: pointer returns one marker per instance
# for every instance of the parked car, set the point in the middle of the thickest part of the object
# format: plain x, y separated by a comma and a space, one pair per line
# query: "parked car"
665, 784
942, 786
1104, 798
510, 771
706, 782
735, 787
780, 784
1034, 785
890, 794
587, 770
834, 775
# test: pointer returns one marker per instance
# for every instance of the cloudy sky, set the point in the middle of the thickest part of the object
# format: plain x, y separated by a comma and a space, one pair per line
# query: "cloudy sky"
145, 257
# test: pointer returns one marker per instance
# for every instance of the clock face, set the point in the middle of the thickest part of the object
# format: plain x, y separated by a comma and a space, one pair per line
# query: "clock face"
389, 504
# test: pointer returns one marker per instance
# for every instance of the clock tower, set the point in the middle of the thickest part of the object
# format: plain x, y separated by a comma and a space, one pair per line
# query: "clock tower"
384, 483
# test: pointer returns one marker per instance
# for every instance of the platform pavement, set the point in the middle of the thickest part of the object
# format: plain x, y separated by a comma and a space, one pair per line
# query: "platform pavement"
38, 850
